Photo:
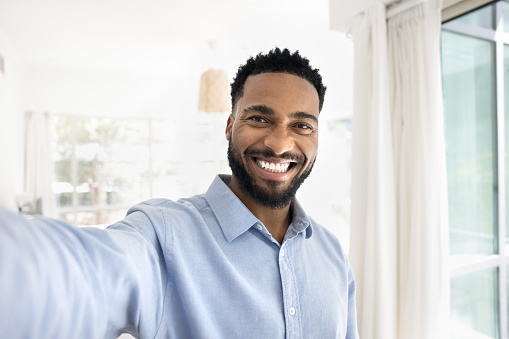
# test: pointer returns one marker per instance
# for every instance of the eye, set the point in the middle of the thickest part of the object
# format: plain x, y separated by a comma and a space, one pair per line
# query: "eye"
256, 118
303, 128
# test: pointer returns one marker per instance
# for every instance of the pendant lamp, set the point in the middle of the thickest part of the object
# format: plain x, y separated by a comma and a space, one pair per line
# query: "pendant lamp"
214, 91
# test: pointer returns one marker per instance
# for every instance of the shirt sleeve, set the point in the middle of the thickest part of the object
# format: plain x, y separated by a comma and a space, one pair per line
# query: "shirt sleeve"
58, 281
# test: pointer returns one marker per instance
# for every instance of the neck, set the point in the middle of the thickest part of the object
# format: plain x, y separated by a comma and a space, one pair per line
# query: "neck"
275, 220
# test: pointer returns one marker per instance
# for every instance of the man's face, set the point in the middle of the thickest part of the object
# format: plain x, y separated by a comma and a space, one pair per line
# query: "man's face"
273, 137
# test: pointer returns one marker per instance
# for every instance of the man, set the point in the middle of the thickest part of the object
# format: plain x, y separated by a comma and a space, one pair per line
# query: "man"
242, 260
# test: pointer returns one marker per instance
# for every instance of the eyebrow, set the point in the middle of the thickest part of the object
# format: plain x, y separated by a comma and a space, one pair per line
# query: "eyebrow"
263, 109
304, 115
260, 109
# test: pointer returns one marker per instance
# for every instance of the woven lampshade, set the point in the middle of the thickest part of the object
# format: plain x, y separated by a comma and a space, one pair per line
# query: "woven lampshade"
214, 92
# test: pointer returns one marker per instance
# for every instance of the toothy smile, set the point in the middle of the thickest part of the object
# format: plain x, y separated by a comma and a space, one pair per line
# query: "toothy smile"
273, 167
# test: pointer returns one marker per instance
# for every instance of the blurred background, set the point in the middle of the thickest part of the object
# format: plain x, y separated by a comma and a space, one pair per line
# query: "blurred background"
104, 96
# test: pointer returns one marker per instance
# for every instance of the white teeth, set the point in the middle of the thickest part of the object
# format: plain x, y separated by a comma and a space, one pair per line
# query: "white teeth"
272, 167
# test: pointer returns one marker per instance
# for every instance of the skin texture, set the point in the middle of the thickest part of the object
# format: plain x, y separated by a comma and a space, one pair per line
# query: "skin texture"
276, 120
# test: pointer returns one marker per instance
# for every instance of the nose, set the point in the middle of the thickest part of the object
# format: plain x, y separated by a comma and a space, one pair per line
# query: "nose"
279, 141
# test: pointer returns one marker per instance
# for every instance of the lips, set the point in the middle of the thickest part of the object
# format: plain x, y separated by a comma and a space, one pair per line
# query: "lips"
269, 156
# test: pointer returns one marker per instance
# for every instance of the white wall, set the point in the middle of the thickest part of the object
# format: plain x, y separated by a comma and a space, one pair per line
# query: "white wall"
11, 125
174, 88
60, 89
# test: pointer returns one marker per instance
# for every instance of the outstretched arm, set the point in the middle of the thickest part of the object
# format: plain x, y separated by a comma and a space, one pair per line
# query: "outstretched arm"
57, 281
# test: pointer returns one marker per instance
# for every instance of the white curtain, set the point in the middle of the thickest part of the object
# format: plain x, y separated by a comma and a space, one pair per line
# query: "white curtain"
399, 218
38, 163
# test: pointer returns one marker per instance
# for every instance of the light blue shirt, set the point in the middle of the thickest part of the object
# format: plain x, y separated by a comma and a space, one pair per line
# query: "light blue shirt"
202, 267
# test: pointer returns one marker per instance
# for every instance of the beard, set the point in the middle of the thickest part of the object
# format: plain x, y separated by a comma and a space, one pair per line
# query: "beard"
272, 196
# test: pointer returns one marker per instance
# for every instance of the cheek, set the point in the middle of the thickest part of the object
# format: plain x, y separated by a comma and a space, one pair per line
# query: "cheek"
244, 137
239, 141
310, 148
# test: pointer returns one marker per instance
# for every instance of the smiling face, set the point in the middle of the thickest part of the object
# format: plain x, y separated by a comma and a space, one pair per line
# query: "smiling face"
273, 138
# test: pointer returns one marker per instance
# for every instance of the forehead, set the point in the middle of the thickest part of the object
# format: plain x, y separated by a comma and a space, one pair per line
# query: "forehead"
280, 90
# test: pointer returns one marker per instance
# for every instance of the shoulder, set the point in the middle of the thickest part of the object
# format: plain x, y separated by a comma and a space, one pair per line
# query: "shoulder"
162, 213
159, 207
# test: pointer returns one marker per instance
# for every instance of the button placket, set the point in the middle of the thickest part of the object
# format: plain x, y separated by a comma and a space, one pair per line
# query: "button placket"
290, 293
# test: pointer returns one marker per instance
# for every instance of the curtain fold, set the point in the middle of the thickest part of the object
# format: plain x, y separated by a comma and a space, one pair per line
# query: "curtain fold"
38, 163
399, 217
373, 247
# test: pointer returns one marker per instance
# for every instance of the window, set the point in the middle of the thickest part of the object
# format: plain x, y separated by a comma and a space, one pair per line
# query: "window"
103, 166
475, 67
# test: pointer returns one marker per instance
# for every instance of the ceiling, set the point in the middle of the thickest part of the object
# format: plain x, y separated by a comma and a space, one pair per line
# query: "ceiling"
142, 35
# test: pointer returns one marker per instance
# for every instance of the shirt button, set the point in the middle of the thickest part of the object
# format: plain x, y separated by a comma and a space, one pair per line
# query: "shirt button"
292, 311
282, 253
259, 227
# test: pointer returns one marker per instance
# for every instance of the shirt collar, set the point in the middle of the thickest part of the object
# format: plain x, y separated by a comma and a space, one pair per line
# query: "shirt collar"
235, 218
300, 220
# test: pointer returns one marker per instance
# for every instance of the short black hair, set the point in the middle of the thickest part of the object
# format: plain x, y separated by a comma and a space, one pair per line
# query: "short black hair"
277, 61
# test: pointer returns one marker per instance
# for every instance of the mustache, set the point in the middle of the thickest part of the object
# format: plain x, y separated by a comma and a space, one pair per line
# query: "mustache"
269, 153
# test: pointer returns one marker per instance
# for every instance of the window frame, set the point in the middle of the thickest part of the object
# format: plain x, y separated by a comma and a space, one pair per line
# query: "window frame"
500, 260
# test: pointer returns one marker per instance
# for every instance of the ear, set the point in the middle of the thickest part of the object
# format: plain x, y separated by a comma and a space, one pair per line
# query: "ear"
229, 127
